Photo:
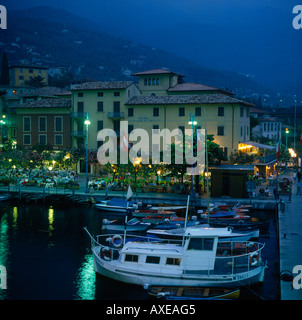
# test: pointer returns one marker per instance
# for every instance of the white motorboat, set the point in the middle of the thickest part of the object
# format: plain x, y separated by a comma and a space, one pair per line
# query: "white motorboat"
196, 260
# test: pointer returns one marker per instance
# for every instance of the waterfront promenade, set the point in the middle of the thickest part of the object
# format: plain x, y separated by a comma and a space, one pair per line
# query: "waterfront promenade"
290, 240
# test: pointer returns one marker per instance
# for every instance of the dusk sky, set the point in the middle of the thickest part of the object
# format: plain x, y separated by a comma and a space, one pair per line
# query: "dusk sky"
252, 37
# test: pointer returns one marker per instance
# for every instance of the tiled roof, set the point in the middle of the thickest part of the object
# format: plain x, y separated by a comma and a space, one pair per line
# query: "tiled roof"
255, 110
191, 86
188, 99
155, 71
102, 85
46, 103
46, 91
27, 66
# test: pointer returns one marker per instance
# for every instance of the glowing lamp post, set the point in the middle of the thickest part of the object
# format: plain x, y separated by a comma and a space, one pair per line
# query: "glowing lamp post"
87, 123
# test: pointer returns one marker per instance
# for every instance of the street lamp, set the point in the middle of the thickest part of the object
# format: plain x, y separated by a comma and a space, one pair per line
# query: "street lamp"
286, 132
193, 123
87, 123
286, 135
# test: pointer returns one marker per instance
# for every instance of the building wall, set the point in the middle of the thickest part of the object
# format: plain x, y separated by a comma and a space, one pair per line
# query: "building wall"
157, 83
169, 118
50, 127
19, 75
90, 100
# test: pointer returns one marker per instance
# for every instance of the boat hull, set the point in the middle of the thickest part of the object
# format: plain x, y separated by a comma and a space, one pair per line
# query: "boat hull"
192, 293
121, 228
108, 208
115, 270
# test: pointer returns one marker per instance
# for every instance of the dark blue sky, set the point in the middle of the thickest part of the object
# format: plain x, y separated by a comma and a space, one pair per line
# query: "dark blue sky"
252, 37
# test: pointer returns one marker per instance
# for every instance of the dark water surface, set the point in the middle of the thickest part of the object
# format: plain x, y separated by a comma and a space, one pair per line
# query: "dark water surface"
47, 256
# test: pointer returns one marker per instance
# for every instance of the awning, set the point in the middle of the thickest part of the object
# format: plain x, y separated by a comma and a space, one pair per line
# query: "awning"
258, 145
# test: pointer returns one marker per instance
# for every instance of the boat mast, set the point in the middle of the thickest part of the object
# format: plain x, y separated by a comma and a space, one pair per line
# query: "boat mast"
183, 238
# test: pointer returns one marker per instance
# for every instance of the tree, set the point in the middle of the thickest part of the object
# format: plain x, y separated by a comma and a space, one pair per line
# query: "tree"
36, 82
4, 71
215, 153
239, 157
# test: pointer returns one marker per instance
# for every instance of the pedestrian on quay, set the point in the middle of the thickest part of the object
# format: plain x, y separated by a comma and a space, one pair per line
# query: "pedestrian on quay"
289, 192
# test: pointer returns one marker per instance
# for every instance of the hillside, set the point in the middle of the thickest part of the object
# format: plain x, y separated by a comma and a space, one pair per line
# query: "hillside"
56, 38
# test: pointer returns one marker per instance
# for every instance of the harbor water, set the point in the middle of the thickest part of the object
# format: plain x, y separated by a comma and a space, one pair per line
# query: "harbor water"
47, 256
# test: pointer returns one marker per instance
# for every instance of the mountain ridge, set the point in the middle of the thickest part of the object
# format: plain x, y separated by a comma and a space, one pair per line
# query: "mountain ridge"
57, 38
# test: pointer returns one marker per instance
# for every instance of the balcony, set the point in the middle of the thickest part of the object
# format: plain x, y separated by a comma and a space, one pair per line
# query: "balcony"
79, 115
115, 115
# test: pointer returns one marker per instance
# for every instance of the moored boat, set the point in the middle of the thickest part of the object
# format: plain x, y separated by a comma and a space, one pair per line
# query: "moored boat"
155, 219
192, 261
192, 293
144, 213
227, 235
116, 205
132, 225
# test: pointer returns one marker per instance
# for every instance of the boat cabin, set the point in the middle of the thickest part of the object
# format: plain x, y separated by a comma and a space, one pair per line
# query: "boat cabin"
196, 251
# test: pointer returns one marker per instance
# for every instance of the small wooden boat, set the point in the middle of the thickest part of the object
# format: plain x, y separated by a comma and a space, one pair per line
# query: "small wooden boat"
169, 208
155, 219
192, 293
132, 225
116, 205
145, 213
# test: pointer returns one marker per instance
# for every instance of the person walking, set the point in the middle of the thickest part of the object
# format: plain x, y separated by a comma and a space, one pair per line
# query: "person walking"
289, 192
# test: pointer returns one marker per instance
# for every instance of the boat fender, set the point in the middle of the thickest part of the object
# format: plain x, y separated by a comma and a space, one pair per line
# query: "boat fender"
106, 254
194, 218
240, 222
146, 286
118, 238
167, 220
199, 211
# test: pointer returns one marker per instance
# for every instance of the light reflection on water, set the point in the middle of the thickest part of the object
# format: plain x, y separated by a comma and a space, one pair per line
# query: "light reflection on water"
85, 282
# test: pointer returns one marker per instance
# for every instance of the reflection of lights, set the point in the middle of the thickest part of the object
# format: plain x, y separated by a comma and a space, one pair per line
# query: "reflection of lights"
292, 153
15, 216
85, 281
50, 219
